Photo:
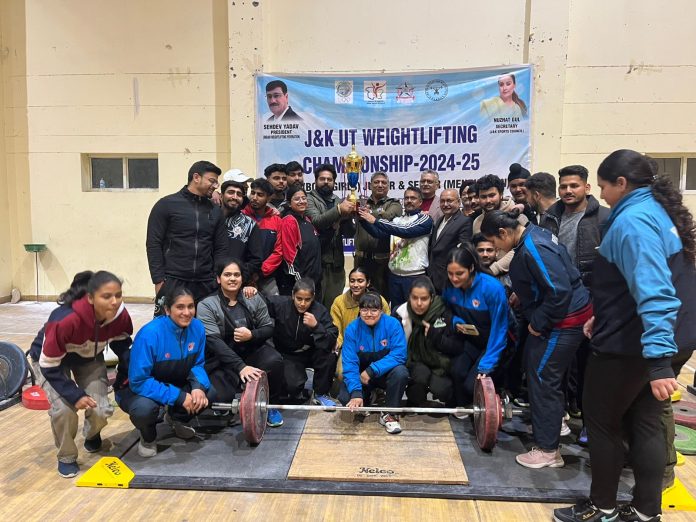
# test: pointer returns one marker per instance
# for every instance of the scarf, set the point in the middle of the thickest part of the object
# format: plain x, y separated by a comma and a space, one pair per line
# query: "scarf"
419, 348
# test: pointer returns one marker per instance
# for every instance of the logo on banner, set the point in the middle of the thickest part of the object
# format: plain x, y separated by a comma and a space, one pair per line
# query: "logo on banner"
436, 90
343, 91
405, 93
375, 91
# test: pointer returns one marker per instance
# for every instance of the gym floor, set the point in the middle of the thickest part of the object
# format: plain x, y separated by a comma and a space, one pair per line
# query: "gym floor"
32, 490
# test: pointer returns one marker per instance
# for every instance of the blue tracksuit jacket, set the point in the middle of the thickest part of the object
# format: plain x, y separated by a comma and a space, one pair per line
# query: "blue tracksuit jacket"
384, 344
484, 304
166, 358
645, 300
545, 280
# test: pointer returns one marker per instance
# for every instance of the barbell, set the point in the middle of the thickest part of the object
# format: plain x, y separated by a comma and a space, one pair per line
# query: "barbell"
488, 410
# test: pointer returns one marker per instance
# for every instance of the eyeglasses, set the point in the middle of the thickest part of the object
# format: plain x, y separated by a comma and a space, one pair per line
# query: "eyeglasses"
370, 311
299, 199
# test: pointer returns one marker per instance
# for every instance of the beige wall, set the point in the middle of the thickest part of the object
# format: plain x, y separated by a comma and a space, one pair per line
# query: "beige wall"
628, 80
175, 78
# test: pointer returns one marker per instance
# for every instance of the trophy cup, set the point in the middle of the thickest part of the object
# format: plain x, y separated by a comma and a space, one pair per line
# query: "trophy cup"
353, 163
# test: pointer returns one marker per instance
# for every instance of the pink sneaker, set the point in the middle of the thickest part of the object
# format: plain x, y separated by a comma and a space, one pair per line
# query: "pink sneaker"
538, 458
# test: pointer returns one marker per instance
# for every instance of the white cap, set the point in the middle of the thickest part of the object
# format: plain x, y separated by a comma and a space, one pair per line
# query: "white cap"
235, 175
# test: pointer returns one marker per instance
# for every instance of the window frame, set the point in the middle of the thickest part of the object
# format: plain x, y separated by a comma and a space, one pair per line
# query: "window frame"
87, 172
682, 168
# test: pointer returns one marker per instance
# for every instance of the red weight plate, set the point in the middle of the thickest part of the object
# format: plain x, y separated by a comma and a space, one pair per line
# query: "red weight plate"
252, 409
685, 413
489, 414
34, 398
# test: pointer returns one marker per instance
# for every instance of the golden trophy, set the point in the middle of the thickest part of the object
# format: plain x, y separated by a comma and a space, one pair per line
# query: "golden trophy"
352, 168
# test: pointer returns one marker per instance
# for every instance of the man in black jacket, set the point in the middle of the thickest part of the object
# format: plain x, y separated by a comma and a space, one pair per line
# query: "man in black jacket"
449, 231
186, 235
577, 219
245, 241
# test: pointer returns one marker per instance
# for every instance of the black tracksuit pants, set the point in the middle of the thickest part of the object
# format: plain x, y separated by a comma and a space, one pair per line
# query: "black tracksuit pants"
227, 383
548, 359
294, 365
619, 404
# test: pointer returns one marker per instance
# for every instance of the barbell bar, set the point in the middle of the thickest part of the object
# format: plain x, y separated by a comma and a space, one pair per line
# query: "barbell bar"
488, 410
231, 406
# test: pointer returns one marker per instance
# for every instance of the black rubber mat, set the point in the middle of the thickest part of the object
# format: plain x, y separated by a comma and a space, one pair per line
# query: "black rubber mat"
222, 461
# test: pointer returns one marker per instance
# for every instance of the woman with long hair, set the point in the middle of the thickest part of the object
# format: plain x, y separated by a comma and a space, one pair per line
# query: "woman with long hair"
556, 305
431, 344
300, 244
238, 332
643, 328
77, 289
480, 312
507, 103
167, 369
72, 362
344, 309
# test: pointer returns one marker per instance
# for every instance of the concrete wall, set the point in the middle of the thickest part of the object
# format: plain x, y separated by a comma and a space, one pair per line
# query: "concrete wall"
175, 78
629, 79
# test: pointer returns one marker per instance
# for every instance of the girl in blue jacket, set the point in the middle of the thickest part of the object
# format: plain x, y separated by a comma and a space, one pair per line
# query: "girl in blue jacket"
643, 331
167, 369
556, 306
480, 317
374, 356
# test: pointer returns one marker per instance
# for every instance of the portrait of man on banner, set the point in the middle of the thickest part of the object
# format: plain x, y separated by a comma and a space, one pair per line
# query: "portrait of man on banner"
278, 102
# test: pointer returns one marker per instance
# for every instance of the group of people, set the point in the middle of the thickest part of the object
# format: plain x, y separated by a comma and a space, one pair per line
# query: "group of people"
569, 306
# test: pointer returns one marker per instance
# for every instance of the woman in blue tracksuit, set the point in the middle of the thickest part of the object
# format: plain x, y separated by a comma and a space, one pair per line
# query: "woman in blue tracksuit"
556, 305
476, 299
644, 304
374, 356
167, 369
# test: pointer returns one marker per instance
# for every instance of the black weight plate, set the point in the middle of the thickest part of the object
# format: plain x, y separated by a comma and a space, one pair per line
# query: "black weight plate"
13, 369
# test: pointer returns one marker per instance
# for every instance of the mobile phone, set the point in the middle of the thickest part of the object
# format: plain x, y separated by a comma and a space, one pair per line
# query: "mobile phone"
470, 329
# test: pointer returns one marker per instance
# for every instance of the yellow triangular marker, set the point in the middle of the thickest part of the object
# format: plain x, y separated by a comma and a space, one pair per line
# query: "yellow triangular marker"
108, 472
681, 460
678, 498
676, 396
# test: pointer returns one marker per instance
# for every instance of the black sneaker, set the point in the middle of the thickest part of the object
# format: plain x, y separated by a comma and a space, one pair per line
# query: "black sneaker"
584, 511
68, 469
628, 513
94, 444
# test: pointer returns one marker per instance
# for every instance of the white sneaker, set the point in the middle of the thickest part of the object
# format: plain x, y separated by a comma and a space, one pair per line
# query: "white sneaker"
390, 423
565, 430
147, 449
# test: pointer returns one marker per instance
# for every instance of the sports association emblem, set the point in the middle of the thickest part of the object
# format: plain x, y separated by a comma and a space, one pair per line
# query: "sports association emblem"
405, 93
375, 91
436, 90
343, 91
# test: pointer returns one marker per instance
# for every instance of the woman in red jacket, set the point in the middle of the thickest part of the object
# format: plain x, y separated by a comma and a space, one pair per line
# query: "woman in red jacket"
300, 244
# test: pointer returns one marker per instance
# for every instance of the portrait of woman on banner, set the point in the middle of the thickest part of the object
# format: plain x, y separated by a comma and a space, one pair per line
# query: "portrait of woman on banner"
507, 103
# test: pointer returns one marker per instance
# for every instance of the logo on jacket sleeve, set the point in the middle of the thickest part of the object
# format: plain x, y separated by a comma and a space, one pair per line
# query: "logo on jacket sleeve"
191, 346
475, 303
362, 348
383, 342
167, 355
